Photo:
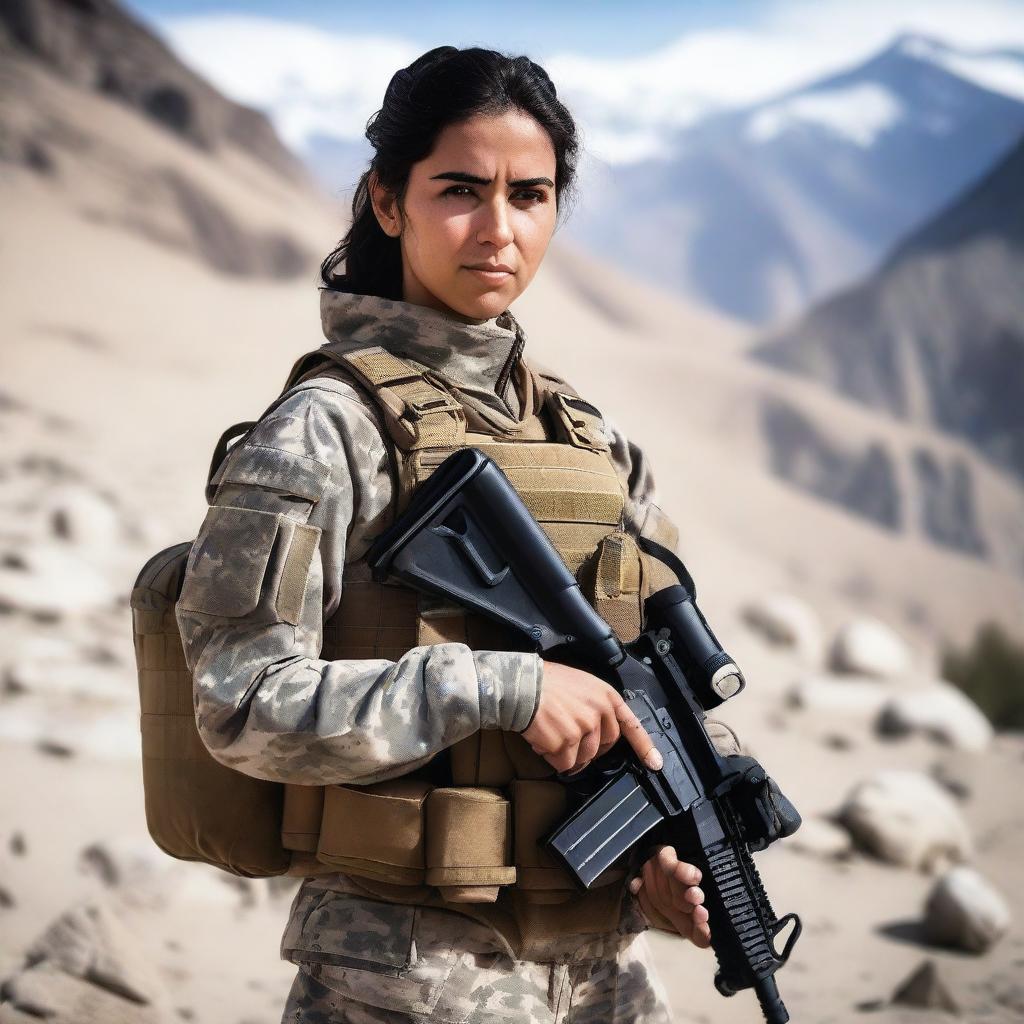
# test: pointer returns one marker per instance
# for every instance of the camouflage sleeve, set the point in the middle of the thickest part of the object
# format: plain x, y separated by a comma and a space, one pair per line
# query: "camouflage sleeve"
643, 517
304, 493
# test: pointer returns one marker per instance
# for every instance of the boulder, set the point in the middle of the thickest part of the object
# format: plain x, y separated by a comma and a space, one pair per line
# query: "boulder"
940, 711
86, 968
964, 911
906, 818
867, 646
787, 621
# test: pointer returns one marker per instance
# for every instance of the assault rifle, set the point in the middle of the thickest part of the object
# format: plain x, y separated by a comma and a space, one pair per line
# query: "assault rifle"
468, 537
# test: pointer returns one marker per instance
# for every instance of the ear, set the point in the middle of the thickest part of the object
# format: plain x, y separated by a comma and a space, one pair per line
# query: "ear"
385, 207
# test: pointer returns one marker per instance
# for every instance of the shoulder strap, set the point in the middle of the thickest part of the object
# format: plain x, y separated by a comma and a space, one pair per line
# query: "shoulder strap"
578, 421
418, 412
425, 422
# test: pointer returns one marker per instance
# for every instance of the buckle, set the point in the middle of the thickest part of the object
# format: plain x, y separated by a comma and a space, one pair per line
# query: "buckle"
417, 408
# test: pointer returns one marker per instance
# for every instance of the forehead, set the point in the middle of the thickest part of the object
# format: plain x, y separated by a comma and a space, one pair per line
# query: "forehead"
511, 143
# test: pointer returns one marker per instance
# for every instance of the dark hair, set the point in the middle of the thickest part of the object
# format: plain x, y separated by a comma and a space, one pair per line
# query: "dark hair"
444, 86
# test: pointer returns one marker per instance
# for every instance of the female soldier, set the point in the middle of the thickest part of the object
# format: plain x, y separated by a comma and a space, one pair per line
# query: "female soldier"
474, 157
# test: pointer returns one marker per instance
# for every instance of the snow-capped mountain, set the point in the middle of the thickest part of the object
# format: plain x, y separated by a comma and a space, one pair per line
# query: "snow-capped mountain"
761, 211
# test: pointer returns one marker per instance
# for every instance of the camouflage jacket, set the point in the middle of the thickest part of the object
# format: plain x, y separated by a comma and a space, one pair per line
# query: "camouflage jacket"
266, 703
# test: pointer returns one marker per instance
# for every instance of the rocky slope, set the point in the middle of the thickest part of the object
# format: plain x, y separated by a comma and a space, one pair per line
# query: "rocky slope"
98, 46
936, 337
102, 114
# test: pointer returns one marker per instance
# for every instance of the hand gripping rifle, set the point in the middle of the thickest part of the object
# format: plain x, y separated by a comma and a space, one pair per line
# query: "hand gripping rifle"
468, 537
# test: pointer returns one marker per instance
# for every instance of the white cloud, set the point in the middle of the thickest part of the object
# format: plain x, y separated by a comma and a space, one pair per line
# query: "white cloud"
308, 80
312, 81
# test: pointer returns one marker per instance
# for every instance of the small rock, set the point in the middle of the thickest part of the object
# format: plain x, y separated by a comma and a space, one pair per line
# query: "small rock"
925, 990
79, 515
837, 741
787, 621
819, 837
964, 911
6, 899
17, 844
135, 867
940, 711
956, 773
906, 818
861, 701
74, 677
54, 748
869, 647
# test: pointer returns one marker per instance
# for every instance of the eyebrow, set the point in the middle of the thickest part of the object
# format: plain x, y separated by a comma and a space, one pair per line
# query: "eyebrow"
472, 179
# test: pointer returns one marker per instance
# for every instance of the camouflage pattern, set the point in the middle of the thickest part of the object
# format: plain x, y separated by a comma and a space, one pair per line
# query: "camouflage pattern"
363, 961
297, 504
314, 477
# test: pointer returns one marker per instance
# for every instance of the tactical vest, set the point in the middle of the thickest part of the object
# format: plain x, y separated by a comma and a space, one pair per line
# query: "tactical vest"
469, 841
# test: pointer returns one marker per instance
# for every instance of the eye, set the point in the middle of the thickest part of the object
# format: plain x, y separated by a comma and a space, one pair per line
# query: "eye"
534, 194
457, 189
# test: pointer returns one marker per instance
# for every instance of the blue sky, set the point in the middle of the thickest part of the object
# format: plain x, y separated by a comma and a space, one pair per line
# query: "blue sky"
632, 72
593, 27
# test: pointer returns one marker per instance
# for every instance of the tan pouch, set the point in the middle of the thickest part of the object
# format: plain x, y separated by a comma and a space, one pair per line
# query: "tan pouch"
409, 832
303, 813
469, 843
377, 830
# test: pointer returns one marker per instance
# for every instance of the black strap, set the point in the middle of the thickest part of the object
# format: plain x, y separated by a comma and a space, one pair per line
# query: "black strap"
222, 445
672, 560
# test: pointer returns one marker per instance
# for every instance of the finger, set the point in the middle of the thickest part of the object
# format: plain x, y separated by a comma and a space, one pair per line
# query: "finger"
637, 737
687, 874
667, 862
661, 891
588, 748
564, 757
694, 896
610, 731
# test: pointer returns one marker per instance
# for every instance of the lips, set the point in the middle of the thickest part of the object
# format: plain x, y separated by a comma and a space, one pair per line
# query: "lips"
491, 268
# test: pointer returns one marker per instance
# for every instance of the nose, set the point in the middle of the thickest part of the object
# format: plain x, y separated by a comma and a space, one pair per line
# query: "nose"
494, 225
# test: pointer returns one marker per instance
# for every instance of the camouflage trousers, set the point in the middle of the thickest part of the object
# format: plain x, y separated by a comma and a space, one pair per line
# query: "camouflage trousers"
366, 962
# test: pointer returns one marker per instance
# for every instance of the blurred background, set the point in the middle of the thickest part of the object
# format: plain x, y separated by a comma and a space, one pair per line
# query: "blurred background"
794, 275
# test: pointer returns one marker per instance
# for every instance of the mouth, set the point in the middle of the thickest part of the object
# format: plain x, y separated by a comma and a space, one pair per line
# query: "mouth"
491, 273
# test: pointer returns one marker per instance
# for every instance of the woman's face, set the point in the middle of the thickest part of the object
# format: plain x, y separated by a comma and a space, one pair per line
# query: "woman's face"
485, 196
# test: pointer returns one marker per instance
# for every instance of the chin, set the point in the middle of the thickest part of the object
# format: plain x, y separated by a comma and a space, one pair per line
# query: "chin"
483, 307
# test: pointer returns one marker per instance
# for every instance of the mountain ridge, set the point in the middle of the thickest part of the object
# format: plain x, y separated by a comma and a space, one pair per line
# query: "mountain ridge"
761, 223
